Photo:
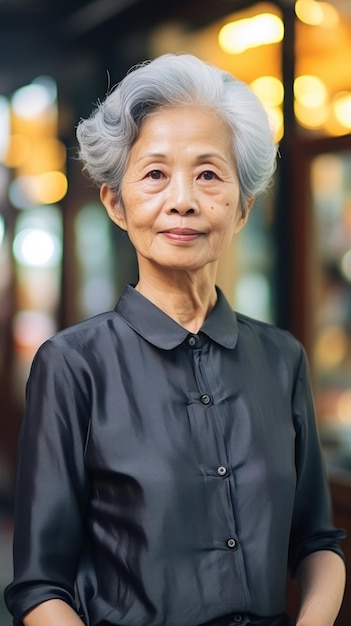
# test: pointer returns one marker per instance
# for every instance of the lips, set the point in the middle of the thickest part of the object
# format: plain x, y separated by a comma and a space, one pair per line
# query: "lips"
182, 234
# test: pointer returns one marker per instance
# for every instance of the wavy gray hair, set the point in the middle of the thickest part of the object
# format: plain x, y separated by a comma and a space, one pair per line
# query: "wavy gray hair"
106, 137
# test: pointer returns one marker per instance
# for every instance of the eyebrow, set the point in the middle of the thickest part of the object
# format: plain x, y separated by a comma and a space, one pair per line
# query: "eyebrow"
153, 155
200, 157
210, 155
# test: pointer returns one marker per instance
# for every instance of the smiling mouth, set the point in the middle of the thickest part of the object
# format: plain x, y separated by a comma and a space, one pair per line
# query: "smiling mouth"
182, 234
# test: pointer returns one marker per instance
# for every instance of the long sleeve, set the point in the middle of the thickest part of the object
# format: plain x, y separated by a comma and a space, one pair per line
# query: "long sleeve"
51, 486
312, 528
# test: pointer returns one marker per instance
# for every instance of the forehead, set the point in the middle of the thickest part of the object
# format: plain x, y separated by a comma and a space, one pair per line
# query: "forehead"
186, 124
197, 113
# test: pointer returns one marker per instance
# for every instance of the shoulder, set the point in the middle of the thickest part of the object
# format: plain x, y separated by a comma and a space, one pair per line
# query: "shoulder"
88, 337
86, 329
268, 338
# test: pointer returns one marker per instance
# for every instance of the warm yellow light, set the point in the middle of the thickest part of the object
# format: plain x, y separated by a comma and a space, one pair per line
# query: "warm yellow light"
343, 408
263, 29
331, 18
45, 125
310, 91
50, 187
311, 117
18, 151
309, 11
35, 156
46, 188
342, 108
333, 128
331, 347
276, 119
269, 90
47, 153
317, 13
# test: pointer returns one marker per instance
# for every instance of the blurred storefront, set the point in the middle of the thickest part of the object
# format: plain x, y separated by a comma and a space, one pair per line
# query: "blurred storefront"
61, 260
290, 266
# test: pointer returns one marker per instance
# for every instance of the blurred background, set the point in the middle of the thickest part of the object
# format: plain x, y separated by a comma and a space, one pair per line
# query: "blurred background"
61, 260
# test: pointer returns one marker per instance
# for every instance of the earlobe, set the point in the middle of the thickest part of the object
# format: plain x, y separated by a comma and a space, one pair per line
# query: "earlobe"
245, 211
113, 206
241, 222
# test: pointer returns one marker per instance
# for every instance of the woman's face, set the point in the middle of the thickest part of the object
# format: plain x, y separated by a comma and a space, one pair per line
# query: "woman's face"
180, 191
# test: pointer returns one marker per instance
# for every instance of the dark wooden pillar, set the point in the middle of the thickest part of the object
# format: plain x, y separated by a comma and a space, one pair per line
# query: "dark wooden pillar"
283, 226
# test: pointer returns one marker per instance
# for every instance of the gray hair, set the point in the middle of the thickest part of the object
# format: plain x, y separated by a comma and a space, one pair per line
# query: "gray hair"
106, 137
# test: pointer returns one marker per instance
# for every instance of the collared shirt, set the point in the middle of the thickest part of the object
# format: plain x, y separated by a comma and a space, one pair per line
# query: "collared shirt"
173, 477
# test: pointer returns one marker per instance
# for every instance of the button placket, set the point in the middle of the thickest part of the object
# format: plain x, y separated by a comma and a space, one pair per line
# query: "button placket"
203, 381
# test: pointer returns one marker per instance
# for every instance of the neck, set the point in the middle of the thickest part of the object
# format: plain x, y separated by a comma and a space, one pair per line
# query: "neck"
188, 298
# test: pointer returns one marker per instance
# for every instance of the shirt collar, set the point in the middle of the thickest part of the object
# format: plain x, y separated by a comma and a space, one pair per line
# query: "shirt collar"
163, 332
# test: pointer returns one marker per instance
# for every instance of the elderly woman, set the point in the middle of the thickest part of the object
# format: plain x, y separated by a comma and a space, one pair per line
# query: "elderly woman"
170, 472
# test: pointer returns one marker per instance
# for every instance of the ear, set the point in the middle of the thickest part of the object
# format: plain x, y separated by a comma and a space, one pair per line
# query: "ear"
245, 212
114, 207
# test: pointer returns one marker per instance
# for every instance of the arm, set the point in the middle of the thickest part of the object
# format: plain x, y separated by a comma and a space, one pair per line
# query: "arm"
316, 559
321, 581
52, 613
51, 488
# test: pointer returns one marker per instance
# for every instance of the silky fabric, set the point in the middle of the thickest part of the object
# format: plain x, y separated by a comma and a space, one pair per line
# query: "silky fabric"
250, 620
167, 478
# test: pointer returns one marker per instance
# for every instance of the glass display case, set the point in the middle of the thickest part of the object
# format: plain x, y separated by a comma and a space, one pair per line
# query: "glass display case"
330, 184
322, 266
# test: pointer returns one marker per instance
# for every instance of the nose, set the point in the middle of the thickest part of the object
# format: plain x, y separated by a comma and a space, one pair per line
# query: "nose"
181, 196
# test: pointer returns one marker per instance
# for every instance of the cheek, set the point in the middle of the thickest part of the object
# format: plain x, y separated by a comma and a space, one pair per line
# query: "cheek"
139, 214
225, 215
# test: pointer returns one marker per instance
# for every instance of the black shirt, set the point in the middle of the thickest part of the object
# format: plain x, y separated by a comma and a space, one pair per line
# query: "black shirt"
174, 476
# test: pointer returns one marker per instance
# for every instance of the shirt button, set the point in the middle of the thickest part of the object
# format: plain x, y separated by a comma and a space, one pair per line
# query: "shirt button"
206, 398
238, 618
192, 341
221, 471
231, 543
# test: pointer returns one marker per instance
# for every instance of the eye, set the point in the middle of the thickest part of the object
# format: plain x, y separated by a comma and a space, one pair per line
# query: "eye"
155, 174
208, 175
